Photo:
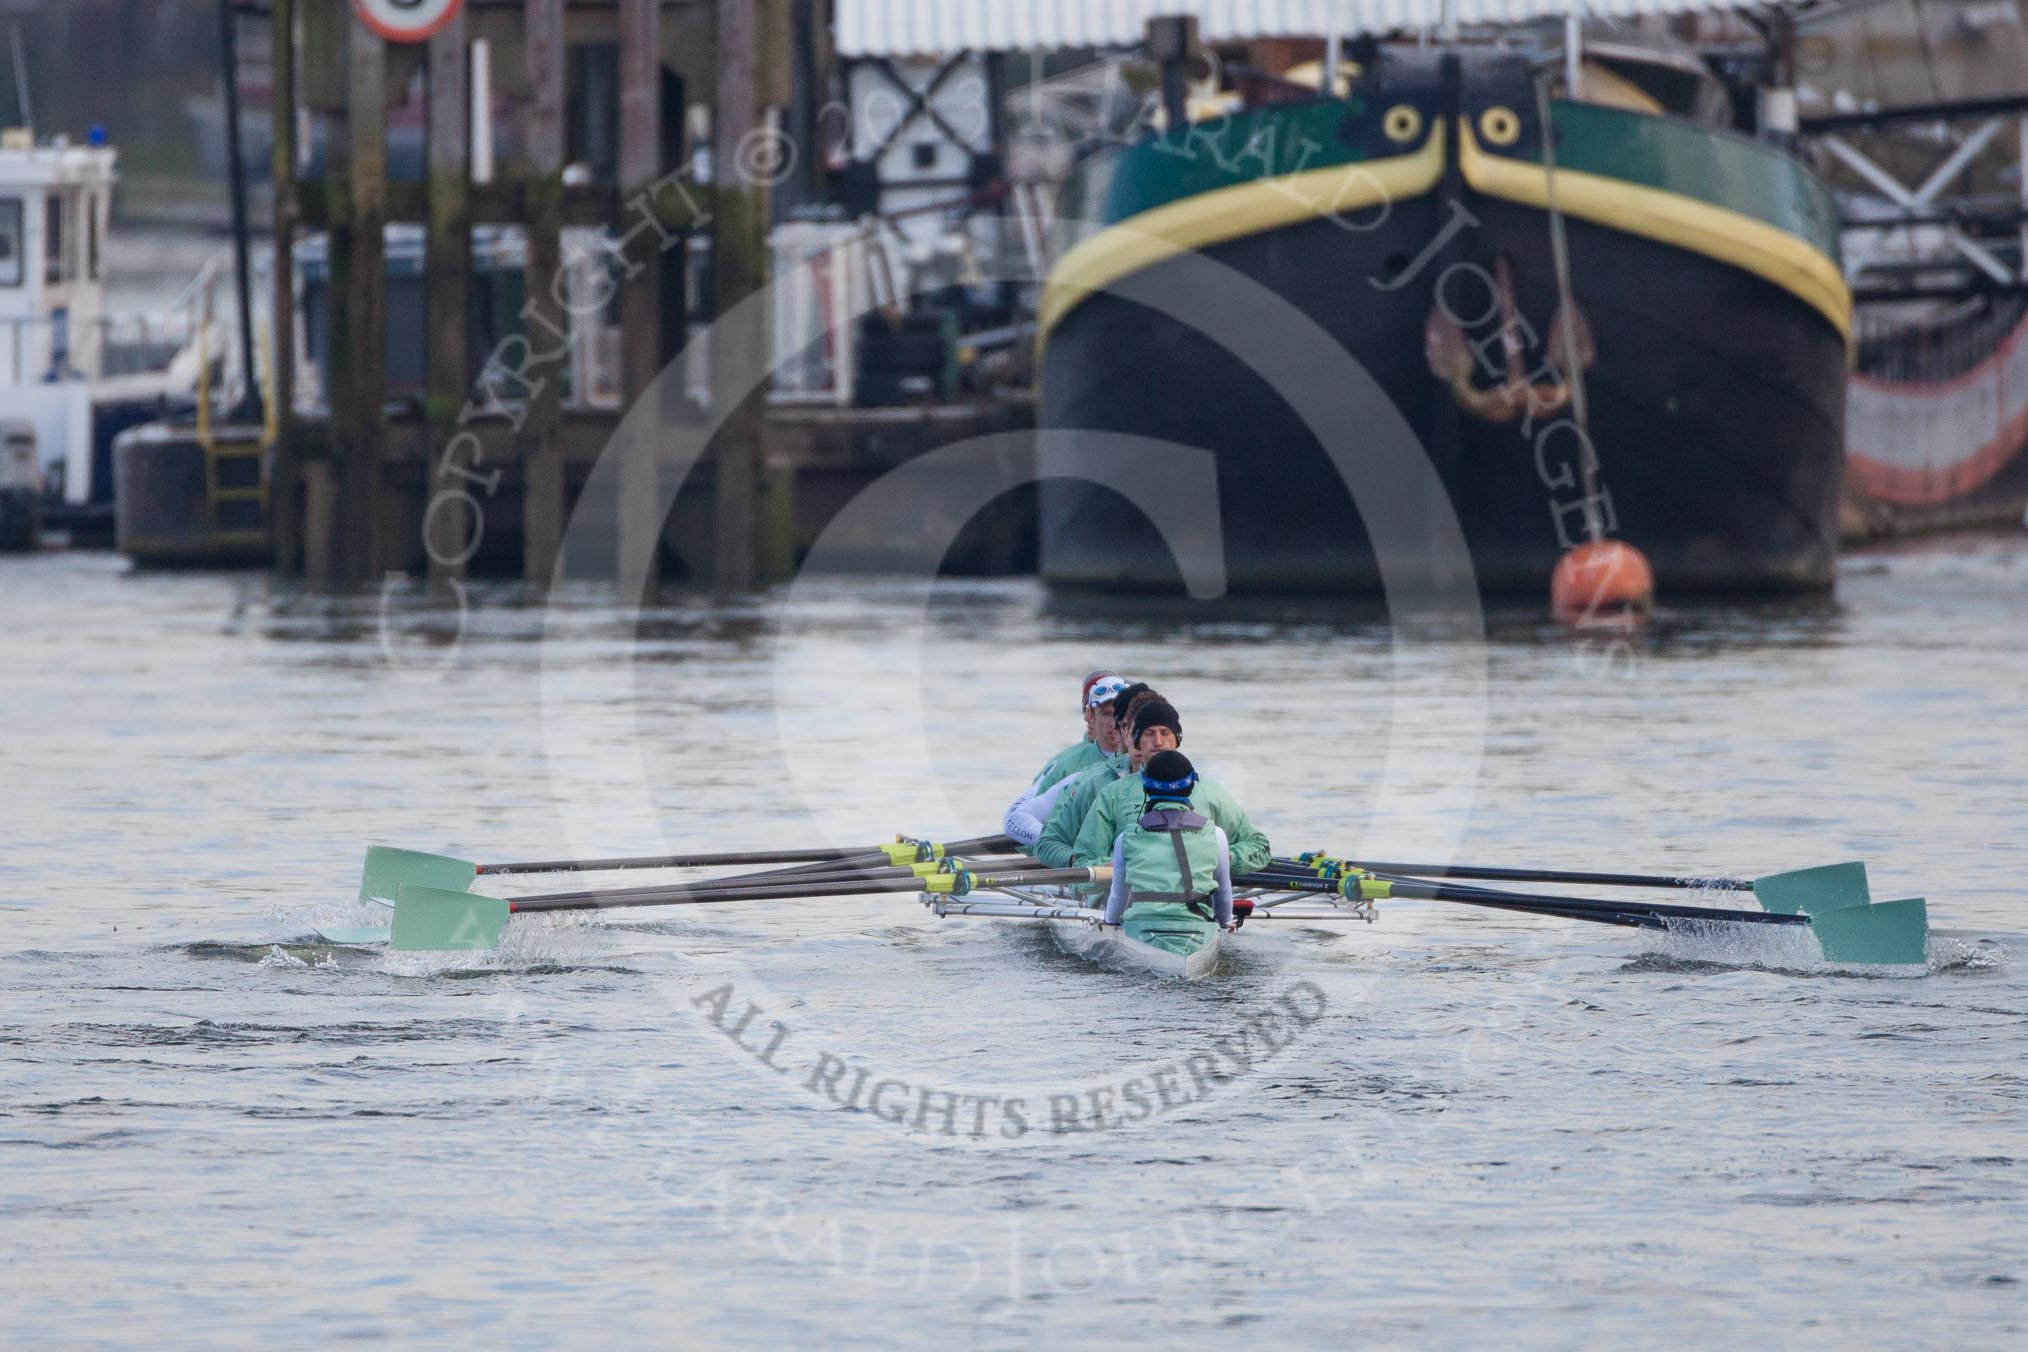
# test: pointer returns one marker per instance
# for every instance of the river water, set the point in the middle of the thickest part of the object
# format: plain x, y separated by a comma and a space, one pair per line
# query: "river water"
847, 1122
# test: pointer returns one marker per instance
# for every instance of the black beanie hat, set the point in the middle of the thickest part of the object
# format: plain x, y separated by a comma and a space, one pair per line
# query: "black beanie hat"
1169, 772
1157, 713
1125, 699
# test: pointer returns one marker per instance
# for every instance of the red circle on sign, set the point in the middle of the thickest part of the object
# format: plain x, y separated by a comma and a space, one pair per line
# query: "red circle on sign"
406, 20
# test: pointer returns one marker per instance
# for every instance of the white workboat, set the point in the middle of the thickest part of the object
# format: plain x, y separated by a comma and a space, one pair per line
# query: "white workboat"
73, 373
20, 486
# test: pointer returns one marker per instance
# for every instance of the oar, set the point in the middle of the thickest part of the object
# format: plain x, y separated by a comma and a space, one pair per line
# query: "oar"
1249, 910
1631, 921
786, 882
1892, 933
443, 919
1580, 907
1598, 915
903, 849
1494, 873
827, 872
1376, 888
1831, 887
1849, 926
387, 868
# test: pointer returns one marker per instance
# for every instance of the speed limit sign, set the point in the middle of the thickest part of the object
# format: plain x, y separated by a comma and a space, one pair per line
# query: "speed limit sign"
406, 20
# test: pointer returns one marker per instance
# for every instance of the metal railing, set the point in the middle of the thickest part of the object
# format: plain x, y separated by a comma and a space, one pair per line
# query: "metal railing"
38, 348
1938, 347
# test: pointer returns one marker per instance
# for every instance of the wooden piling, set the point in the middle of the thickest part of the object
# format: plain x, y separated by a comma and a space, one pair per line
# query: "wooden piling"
777, 533
285, 517
738, 270
368, 509
451, 513
365, 299
639, 270
542, 475
320, 521
327, 26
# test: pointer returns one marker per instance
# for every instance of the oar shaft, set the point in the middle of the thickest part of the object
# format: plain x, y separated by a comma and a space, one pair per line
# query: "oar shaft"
981, 846
1295, 878
1010, 910
699, 896
1626, 919
1629, 919
775, 882
1570, 908
1549, 875
669, 861
1449, 892
787, 890
846, 868
730, 859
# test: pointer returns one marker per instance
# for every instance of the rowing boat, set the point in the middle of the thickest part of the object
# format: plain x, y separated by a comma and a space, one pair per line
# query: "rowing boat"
1164, 947
1155, 941
433, 910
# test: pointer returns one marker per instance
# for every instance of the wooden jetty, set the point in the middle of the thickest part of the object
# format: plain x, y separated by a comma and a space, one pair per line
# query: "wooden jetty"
458, 480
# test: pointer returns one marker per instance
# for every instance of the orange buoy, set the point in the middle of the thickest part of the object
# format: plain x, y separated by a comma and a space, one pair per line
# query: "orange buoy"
1603, 583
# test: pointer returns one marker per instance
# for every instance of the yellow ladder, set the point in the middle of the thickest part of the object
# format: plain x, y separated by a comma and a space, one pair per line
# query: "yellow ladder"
218, 494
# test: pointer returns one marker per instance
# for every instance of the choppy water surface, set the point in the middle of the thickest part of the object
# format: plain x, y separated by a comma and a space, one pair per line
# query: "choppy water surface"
1452, 1125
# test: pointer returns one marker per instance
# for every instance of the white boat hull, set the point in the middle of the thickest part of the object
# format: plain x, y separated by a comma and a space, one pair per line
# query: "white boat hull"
1117, 949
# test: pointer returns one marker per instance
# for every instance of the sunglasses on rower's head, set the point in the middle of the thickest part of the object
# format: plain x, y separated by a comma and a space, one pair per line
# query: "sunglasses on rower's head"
1103, 693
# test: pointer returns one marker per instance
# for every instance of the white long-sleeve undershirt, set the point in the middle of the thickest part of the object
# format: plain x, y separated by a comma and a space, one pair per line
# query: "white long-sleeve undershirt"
1029, 813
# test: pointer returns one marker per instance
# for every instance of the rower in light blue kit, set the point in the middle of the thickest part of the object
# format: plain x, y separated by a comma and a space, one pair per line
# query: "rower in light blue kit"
1172, 865
1027, 814
1074, 796
1157, 727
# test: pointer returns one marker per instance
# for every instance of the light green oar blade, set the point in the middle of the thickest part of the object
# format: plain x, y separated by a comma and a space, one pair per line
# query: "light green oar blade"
356, 936
388, 868
1891, 933
1813, 891
438, 919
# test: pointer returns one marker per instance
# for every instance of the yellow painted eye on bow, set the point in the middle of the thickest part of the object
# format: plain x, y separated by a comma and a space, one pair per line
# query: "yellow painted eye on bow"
1402, 123
1500, 126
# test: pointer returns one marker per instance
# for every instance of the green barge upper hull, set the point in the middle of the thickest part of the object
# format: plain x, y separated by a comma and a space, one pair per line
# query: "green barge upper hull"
1347, 318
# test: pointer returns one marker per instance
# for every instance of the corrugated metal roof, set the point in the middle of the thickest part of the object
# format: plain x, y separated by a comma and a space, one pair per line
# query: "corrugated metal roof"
901, 27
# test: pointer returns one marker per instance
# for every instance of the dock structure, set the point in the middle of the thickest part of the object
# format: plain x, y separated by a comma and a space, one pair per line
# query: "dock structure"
600, 109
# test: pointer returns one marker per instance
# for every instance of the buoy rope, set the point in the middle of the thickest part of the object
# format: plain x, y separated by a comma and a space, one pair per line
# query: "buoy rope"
1559, 252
